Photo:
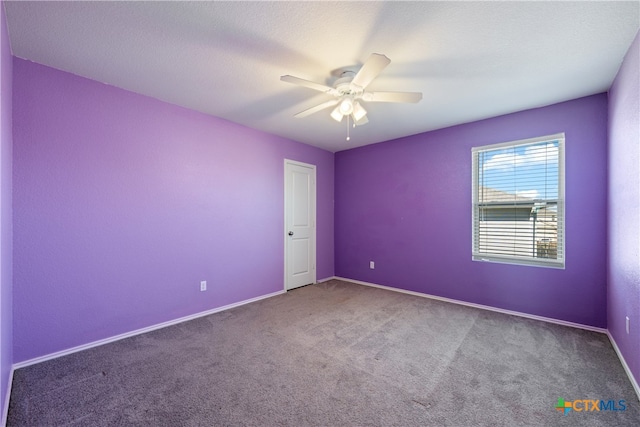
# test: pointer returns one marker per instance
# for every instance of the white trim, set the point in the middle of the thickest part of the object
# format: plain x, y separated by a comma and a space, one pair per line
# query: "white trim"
5, 404
634, 383
480, 306
514, 259
139, 331
51, 356
284, 228
527, 141
627, 370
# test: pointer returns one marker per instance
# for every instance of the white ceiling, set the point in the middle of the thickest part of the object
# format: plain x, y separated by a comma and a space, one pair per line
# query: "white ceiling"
471, 60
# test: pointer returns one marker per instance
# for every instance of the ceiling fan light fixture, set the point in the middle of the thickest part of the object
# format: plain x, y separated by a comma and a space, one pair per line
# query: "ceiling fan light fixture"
346, 106
362, 121
358, 112
336, 114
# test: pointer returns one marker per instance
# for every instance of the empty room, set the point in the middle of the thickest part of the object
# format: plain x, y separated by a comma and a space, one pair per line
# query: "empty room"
320, 213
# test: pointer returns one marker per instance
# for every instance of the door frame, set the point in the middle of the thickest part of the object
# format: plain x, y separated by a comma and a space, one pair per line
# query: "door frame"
314, 211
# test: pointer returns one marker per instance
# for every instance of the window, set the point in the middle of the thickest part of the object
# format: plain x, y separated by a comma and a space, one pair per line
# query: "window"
518, 202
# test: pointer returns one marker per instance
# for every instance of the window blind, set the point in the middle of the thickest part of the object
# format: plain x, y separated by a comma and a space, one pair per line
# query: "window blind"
518, 202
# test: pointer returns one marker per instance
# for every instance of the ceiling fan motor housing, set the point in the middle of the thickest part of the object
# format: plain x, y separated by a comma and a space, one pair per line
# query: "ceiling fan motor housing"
344, 87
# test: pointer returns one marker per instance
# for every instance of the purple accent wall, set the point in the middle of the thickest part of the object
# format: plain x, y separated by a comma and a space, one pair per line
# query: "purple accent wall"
6, 135
406, 204
623, 295
123, 203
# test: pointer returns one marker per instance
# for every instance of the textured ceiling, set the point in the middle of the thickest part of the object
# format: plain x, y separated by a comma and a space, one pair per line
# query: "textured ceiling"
471, 60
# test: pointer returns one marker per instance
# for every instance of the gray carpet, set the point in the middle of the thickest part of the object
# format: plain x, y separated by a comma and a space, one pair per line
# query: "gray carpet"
333, 354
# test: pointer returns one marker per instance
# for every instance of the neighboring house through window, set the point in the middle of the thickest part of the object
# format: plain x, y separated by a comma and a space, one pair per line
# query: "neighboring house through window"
518, 202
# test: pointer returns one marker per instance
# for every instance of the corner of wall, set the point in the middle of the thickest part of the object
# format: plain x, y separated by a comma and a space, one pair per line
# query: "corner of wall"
6, 237
623, 213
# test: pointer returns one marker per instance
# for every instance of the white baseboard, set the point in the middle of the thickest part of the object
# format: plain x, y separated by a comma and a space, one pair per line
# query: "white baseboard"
634, 383
139, 331
7, 397
326, 279
480, 306
55, 355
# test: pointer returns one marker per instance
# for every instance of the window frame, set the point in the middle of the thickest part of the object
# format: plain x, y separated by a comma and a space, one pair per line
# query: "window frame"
559, 262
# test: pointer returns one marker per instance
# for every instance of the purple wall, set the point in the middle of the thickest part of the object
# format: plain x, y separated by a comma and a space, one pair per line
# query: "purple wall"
623, 295
406, 204
123, 203
6, 333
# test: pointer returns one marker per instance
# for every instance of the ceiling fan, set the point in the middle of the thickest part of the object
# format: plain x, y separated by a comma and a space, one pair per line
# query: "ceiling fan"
349, 90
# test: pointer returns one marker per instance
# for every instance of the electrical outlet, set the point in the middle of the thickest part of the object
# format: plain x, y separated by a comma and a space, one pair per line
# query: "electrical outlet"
627, 324
203, 285
372, 265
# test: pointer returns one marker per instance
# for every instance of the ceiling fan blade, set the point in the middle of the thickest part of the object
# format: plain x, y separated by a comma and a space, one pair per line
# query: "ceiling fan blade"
370, 70
317, 108
306, 83
392, 96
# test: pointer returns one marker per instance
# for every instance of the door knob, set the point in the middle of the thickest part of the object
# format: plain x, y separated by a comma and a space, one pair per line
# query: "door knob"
291, 233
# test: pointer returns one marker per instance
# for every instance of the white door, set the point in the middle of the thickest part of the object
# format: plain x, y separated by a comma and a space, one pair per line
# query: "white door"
299, 224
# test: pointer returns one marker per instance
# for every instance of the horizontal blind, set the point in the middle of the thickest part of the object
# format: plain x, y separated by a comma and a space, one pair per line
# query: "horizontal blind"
518, 201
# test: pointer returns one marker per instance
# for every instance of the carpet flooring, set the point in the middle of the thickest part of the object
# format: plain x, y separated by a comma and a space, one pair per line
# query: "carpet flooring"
334, 354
